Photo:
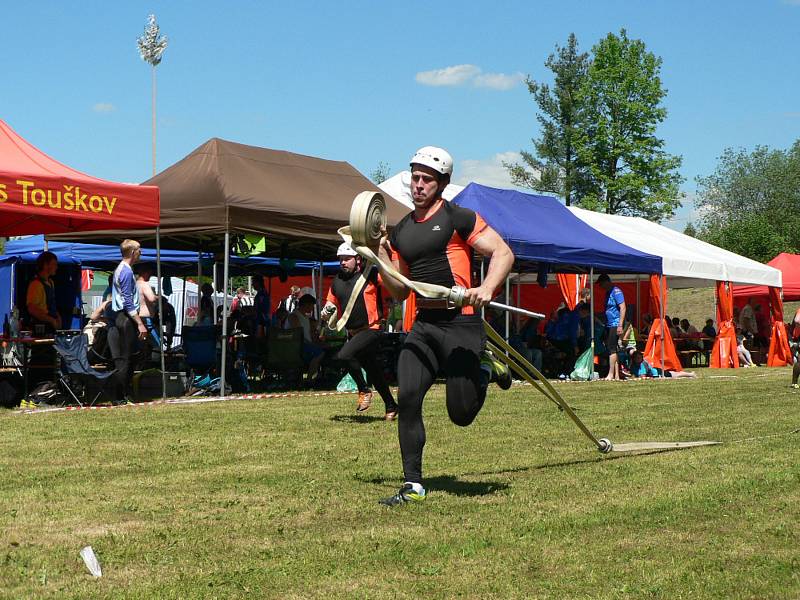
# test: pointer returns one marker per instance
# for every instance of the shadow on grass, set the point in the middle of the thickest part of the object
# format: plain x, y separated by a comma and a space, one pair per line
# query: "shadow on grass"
581, 461
356, 418
450, 485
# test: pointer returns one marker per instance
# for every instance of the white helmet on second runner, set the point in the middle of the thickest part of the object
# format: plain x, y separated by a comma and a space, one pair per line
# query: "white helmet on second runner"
438, 159
346, 250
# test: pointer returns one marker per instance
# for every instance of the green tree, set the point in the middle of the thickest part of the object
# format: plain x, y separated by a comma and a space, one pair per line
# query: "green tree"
751, 202
620, 103
380, 173
554, 166
690, 230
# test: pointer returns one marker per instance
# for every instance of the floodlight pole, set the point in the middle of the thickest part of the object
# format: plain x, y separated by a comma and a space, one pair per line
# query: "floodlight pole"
224, 315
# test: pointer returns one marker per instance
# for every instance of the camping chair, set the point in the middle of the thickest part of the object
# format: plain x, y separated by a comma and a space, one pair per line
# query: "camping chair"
75, 371
285, 353
200, 350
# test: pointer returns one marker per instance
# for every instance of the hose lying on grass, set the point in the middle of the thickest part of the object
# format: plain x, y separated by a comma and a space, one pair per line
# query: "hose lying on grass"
367, 224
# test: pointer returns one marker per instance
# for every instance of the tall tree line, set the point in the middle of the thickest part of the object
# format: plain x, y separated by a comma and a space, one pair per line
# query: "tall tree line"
598, 146
750, 204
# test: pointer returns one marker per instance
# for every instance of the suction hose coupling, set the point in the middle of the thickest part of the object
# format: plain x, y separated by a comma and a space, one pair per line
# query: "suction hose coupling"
604, 445
456, 296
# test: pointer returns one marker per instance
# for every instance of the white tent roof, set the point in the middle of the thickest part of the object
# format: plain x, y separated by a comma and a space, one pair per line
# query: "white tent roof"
687, 261
399, 187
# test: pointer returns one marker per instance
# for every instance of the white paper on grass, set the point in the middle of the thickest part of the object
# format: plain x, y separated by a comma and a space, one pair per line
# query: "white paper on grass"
89, 558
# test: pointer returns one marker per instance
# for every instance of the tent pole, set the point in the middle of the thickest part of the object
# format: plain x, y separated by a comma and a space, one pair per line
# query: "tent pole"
183, 308
663, 317
224, 315
314, 284
591, 311
320, 300
638, 304
214, 295
519, 301
160, 315
508, 314
199, 275
483, 311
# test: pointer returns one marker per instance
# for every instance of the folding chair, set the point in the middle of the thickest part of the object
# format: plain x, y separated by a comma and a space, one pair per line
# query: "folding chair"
72, 348
200, 354
285, 353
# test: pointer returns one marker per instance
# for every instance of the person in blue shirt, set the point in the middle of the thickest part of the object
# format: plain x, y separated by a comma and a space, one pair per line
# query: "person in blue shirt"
126, 325
615, 317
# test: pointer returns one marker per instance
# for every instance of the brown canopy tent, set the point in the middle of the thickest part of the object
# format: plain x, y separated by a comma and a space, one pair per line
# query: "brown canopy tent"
296, 202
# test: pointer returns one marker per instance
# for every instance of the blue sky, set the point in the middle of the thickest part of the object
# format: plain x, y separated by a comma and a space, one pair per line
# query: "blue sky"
372, 81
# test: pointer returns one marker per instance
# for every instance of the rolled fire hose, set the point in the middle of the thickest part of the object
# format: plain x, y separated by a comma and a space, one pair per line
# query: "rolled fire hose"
367, 223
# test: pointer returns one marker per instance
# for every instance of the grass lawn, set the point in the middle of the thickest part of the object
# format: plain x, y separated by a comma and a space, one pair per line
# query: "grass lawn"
277, 498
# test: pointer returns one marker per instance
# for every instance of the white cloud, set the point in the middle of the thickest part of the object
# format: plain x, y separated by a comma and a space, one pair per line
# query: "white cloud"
498, 81
451, 76
489, 172
689, 212
458, 75
104, 107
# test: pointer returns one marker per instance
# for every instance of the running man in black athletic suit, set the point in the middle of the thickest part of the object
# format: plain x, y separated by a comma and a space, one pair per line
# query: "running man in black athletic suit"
434, 244
363, 328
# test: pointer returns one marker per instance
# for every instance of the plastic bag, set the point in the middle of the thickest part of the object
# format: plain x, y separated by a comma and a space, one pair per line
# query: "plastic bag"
584, 366
348, 384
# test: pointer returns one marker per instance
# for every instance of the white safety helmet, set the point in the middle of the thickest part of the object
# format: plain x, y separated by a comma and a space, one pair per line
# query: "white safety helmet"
438, 159
346, 250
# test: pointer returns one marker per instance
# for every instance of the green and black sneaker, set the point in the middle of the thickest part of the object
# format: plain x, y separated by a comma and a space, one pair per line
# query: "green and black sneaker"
501, 375
404, 495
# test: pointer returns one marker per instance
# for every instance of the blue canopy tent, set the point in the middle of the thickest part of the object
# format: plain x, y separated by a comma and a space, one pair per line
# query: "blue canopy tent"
93, 256
21, 269
106, 257
17, 267
540, 230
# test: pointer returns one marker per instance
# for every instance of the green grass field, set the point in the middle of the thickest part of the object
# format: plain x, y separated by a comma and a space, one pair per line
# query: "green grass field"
277, 498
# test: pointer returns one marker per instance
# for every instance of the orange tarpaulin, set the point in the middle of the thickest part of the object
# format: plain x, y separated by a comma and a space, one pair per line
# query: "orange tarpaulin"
571, 286
779, 353
724, 354
659, 335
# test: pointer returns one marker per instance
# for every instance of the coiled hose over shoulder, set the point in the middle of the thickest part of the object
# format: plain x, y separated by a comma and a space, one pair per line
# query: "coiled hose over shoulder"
367, 224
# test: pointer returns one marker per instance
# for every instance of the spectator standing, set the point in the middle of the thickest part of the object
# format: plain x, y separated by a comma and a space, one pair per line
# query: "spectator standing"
747, 319
292, 300
127, 325
261, 306
615, 317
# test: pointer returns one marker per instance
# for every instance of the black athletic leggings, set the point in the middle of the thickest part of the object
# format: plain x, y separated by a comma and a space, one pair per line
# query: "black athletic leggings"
452, 345
361, 350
